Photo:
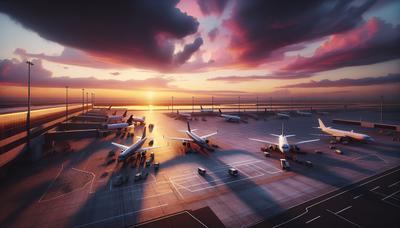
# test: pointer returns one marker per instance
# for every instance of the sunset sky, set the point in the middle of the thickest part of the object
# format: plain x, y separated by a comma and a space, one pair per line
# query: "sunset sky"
149, 50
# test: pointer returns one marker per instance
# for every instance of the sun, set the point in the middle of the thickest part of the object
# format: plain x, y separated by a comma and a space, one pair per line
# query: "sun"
150, 95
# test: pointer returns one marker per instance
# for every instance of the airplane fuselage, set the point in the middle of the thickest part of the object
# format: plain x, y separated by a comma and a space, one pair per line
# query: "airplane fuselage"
196, 139
132, 149
283, 144
231, 118
346, 134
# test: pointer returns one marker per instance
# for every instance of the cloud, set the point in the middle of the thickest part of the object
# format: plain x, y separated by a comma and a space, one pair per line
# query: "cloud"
213, 34
71, 56
274, 76
14, 72
260, 27
188, 50
373, 42
347, 82
138, 33
115, 73
212, 6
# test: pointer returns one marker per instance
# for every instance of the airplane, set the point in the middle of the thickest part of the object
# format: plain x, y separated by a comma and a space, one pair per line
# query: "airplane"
282, 145
183, 115
201, 141
116, 118
339, 135
128, 151
132, 119
282, 115
207, 110
229, 118
303, 113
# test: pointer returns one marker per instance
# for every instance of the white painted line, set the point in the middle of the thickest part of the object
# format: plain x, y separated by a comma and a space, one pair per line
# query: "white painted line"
343, 218
346, 208
356, 197
93, 175
121, 215
52, 182
394, 193
313, 219
168, 216
176, 189
373, 189
395, 183
338, 194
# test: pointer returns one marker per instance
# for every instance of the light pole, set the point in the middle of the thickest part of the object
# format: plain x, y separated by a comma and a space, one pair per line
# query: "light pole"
172, 104
87, 102
66, 107
28, 116
239, 103
192, 104
381, 109
212, 103
83, 101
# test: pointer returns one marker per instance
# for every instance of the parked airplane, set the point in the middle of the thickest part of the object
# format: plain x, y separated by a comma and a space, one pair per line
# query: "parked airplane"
229, 118
282, 115
134, 120
127, 151
117, 118
183, 115
282, 145
303, 113
201, 141
342, 134
205, 110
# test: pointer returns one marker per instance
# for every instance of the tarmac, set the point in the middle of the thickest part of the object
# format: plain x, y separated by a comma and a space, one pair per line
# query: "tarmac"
76, 189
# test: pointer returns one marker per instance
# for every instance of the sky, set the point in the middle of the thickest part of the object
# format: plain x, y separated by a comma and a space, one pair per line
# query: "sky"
149, 50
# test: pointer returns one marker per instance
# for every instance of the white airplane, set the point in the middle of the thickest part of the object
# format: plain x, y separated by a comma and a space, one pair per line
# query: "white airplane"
303, 113
282, 145
132, 119
127, 151
118, 126
201, 141
117, 118
282, 115
205, 110
342, 134
229, 118
183, 115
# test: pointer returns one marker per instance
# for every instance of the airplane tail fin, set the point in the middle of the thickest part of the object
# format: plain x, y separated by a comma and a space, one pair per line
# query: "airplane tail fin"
220, 112
177, 111
144, 133
201, 107
282, 129
188, 125
126, 112
109, 108
321, 124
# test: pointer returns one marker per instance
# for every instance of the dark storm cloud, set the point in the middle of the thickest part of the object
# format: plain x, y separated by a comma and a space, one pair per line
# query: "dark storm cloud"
260, 27
373, 42
212, 6
14, 72
188, 50
139, 32
347, 82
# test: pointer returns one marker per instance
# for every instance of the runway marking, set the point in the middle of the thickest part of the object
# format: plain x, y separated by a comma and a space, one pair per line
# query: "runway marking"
313, 219
168, 216
269, 172
94, 177
324, 200
394, 193
121, 215
356, 197
395, 183
346, 208
373, 189
343, 218
176, 189
52, 182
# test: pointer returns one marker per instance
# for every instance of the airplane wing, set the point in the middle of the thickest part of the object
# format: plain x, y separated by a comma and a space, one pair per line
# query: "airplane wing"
263, 141
149, 148
209, 135
122, 147
306, 141
325, 135
181, 139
